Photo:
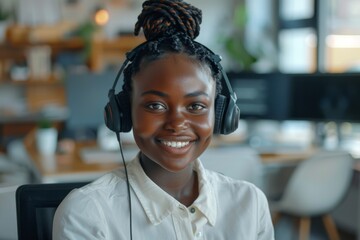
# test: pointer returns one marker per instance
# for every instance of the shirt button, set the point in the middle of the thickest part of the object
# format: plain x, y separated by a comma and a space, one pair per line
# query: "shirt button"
192, 210
198, 235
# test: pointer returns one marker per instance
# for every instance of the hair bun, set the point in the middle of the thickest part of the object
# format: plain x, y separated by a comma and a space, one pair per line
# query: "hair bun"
160, 18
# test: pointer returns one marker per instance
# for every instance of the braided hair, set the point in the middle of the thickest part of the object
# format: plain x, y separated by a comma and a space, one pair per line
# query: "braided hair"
170, 26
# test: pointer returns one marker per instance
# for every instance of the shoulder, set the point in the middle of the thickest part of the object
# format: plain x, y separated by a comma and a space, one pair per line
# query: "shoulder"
87, 207
238, 190
97, 191
241, 198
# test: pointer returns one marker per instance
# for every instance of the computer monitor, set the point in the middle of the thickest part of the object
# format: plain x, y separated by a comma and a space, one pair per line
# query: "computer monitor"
260, 95
87, 95
325, 97
312, 97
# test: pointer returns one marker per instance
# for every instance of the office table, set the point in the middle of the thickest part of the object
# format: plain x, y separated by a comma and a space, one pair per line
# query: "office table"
70, 167
87, 162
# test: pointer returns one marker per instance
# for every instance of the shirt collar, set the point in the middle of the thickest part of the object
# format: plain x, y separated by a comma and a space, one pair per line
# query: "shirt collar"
158, 204
206, 201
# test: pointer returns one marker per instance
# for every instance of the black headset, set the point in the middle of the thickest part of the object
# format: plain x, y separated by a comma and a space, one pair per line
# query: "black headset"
117, 112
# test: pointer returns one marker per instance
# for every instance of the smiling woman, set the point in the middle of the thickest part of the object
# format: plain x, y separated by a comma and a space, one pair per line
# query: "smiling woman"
172, 99
176, 98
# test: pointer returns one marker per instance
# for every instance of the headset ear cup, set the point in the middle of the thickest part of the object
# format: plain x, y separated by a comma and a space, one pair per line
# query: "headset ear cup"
123, 101
231, 117
117, 113
220, 106
112, 114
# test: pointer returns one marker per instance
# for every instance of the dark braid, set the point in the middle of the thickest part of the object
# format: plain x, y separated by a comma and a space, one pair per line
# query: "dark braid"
170, 26
166, 17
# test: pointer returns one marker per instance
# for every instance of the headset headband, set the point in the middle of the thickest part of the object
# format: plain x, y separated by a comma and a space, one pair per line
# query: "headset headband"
130, 56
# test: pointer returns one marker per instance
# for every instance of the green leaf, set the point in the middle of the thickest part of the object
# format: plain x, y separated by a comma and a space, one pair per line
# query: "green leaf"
44, 123
4, 15
240, 16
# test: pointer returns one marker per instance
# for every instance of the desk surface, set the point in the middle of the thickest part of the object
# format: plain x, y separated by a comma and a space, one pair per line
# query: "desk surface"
68, 167
286, 158
72, 167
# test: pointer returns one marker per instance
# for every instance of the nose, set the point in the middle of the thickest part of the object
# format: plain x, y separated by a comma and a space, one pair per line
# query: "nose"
175, 120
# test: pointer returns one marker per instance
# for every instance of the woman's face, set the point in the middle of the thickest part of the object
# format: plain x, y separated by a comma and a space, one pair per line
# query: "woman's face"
173, 110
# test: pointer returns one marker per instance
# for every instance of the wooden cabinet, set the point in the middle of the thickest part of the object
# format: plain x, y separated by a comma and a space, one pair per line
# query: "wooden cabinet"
50, 90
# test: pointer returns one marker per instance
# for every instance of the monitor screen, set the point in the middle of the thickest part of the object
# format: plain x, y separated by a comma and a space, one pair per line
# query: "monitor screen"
260, 96
87, 95
313, 97
325, 97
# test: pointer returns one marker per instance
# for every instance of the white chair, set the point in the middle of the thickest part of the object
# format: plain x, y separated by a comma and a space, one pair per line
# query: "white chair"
8, 224
316, 187
236, 161
11, 173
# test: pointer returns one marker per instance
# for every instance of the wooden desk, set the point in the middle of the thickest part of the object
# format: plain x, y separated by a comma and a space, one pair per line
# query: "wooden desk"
72, 167
284, 159
66, 167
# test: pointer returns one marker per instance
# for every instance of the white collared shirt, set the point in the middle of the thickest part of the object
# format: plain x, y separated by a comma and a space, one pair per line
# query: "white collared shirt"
225, 209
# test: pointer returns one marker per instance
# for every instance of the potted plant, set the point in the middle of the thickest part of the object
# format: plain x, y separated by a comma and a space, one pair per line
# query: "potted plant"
46, 137
235, 42
86, 32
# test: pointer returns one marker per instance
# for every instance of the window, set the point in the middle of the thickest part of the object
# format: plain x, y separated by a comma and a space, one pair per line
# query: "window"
297, 35
342, 40
318, 36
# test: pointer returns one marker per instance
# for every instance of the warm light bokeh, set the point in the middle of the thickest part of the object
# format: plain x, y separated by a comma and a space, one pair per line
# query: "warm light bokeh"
101, 17
342, 53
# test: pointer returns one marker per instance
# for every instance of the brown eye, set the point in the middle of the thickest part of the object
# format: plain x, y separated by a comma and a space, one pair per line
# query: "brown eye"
197, 107
156, 107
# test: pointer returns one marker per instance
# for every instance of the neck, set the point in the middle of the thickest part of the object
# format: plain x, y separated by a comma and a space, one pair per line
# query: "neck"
182, 185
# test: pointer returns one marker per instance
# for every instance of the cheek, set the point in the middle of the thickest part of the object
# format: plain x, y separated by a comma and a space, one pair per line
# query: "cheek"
144, 125
205, 124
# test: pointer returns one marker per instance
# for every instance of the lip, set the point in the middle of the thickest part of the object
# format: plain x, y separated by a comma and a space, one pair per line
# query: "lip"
174, 150
176, 138
177, 146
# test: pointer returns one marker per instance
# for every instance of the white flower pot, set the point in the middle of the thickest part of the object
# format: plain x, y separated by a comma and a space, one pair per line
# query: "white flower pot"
46, 140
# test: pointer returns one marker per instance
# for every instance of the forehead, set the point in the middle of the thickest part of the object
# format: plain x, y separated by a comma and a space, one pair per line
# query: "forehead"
173, 70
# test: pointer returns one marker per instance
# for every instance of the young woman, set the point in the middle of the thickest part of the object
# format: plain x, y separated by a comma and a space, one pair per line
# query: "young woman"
171, 85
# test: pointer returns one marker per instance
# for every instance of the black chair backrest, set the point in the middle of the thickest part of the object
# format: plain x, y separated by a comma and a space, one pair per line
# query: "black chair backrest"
36, 205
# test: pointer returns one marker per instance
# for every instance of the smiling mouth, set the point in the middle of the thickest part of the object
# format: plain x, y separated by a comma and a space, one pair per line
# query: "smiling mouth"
175, 144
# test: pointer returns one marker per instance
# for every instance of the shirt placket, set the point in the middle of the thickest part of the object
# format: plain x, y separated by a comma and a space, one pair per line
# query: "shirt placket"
198, 221
182, 223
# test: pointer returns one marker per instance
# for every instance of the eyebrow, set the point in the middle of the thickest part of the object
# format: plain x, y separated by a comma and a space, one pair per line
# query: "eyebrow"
196, 94
154, 92
161, 94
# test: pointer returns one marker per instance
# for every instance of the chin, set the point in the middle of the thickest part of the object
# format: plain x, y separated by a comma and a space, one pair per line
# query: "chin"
175, 164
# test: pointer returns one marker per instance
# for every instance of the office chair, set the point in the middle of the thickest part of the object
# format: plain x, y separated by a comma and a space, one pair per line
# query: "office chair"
316, 187
8, 228
237, 162
35, 208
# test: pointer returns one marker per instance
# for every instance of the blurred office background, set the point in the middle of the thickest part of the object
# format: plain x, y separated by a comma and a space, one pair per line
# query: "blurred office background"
294, 65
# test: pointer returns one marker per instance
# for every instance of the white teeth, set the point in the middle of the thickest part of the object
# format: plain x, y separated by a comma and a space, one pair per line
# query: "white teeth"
175, 144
